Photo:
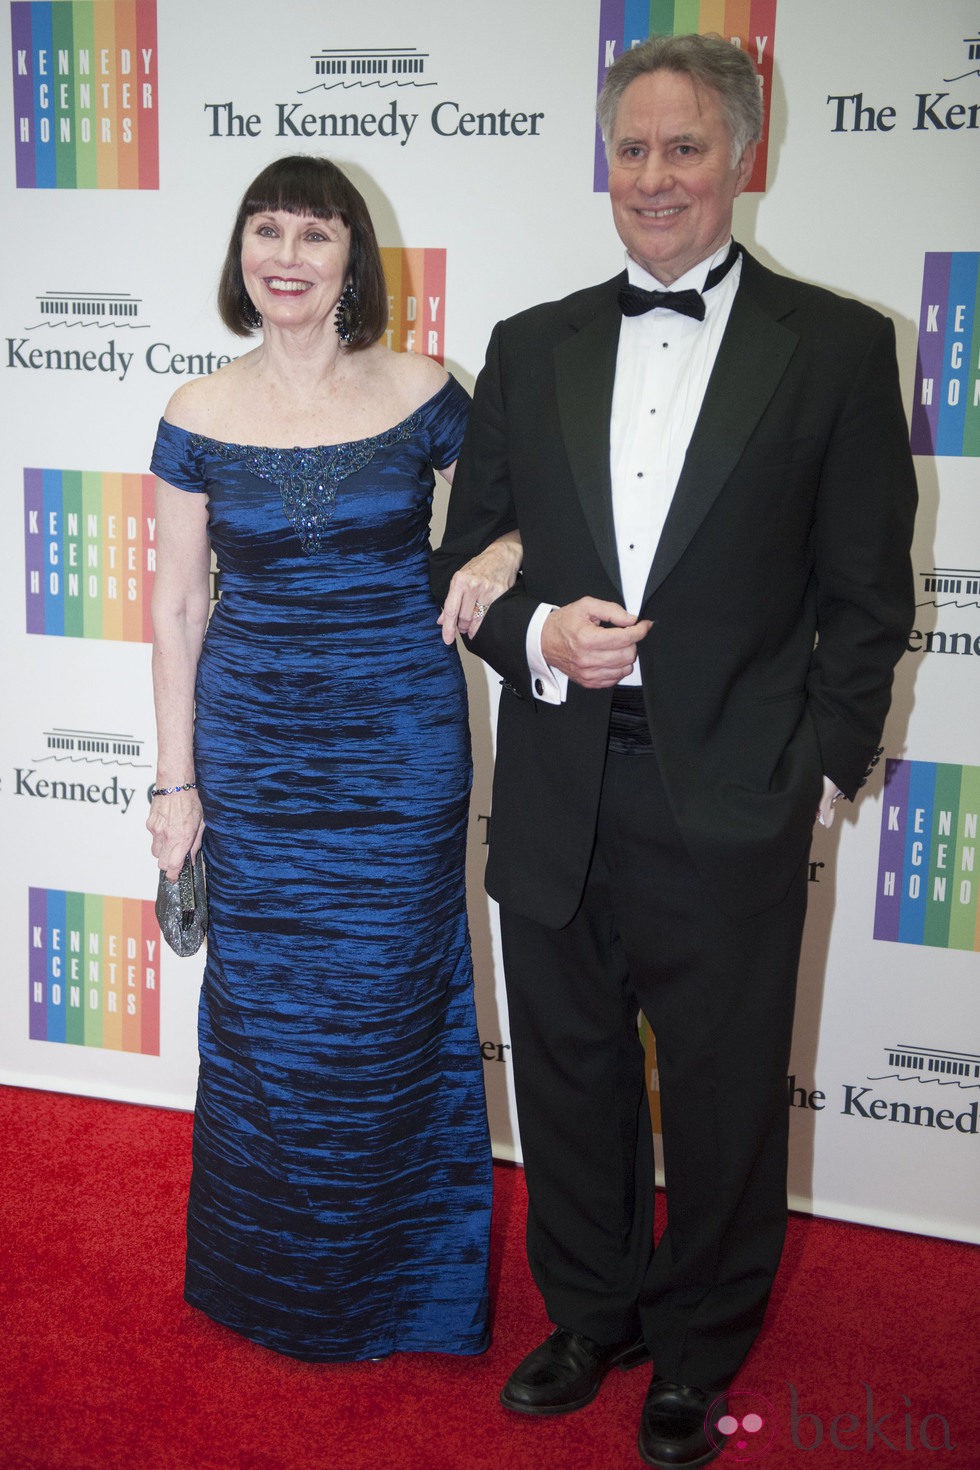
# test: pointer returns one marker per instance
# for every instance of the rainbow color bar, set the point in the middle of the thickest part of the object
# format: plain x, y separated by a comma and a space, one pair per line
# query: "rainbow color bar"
946, 402
94, 971
89, 554
928, 875
85, 94
416, 300
750, 24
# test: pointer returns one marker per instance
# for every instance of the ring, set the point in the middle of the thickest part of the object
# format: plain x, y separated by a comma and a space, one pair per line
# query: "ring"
480, 608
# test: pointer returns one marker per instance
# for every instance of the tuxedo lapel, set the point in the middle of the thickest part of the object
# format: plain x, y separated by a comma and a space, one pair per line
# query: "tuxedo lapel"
585, 368
752, 358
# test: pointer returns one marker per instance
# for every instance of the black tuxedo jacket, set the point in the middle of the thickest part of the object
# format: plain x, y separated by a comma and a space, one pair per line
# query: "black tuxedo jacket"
780, 593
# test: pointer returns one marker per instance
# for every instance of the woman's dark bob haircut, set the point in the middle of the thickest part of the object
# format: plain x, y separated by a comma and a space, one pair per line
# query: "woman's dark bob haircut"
314, 186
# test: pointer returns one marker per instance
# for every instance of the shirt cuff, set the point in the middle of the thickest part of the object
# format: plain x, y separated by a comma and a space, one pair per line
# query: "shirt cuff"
547, 684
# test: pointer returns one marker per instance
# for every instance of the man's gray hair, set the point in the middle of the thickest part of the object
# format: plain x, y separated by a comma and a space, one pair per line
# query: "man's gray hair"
709, 61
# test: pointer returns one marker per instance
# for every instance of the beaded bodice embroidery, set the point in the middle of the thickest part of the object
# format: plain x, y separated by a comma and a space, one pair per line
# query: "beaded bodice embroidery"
308, 478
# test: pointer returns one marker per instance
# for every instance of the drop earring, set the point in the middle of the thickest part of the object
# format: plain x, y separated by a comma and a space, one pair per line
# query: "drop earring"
250, 314
346, 318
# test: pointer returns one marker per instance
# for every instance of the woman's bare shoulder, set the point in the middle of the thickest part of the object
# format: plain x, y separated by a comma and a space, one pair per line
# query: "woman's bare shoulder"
201, 404
414, 378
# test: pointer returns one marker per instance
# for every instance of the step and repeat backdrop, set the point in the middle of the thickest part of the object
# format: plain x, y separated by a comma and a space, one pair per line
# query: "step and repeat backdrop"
130, 129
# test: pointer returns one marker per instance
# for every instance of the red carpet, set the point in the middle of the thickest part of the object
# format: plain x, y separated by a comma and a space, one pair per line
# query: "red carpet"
869, 1357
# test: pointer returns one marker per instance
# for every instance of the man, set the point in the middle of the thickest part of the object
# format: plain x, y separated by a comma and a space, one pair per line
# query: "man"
716, 511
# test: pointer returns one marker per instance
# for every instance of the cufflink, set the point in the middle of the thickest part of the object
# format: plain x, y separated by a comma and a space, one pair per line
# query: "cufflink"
539, 686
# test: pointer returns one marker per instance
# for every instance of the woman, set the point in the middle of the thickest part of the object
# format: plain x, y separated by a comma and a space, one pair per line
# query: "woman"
316, 741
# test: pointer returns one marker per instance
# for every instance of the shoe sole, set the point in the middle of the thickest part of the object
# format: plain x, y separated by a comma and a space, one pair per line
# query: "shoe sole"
540, 1411
678, 1464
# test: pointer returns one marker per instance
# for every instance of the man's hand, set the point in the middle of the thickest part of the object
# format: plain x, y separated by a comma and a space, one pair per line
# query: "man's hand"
593, 642
825, 811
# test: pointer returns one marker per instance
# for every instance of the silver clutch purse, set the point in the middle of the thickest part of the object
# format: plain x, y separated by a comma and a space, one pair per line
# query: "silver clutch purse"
182, 908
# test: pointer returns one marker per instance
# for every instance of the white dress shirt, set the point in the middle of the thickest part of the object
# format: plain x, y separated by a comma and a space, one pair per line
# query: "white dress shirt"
663, 365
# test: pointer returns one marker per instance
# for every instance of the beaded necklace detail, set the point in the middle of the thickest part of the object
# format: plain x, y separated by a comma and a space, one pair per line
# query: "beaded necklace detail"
308, 479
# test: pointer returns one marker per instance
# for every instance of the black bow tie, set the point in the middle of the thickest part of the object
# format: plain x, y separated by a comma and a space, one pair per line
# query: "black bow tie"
634, 300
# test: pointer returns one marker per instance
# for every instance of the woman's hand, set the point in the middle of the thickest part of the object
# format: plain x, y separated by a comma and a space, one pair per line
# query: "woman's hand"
478, 584
176, 823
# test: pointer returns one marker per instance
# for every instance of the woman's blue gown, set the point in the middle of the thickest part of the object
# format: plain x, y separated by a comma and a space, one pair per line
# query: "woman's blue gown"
340, 1198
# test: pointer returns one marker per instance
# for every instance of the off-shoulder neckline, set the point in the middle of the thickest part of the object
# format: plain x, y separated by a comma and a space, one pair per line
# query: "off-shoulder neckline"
313, 448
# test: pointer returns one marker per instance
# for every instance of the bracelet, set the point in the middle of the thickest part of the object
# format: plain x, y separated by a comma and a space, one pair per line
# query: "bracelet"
169, 790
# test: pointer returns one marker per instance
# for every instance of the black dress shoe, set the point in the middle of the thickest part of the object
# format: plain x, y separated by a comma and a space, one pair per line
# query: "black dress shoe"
565, 1372
675, 1429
